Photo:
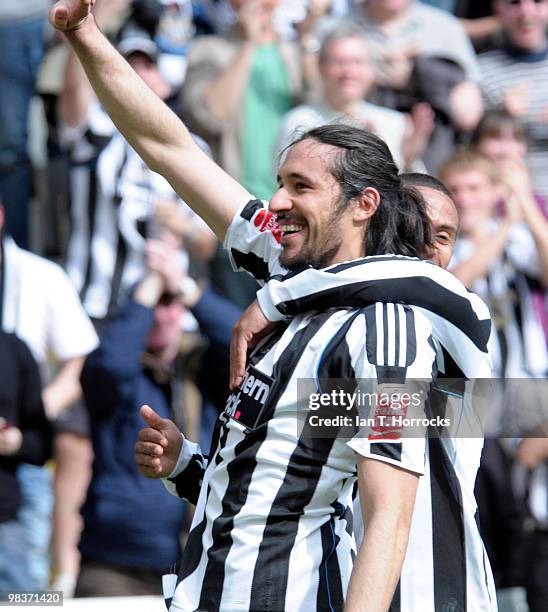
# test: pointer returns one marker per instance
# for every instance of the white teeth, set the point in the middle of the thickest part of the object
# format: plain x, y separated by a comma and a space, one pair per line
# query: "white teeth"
291, 228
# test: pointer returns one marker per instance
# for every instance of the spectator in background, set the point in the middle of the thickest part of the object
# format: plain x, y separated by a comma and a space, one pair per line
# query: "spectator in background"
22, 43
476, 17
504, 258
137, 362
347, 78
238, 87
501, 516
421, 54
515, 77
480, 23
40, 305
501, 138
24, 437
532, 455
500, 258
170, 24
114, 195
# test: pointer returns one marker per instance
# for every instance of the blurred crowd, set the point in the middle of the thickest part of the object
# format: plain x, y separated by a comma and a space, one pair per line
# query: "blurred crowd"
113, 293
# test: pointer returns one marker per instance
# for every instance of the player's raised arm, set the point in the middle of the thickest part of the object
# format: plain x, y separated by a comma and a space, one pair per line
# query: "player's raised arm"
147, 123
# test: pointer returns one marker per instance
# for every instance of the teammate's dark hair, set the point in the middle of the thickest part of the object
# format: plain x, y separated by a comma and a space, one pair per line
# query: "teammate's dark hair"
400, 225
417, 179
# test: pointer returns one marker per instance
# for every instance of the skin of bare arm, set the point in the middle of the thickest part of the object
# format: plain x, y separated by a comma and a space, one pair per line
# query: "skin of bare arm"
387, 496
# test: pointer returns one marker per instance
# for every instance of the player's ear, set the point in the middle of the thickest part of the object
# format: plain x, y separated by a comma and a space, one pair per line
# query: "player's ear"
366, 204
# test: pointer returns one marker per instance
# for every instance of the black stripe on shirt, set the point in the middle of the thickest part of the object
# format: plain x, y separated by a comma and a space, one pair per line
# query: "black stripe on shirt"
330, 591
194, 546
189, 481
360, 262
390, 450
250, 209
119, 265
91, 209
240, 471
193, 549
251, 263
395, 604
449, 559
411, 344
371, 333
397, 311
414, 291
268, 591
385, 333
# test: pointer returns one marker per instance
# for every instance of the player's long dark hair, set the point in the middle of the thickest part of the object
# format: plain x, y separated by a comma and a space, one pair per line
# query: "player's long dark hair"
400, 225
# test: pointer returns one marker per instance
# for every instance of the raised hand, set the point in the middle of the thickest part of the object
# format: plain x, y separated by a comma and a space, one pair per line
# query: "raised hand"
517, 99
158, 445
419, 126
163, 258
68, 15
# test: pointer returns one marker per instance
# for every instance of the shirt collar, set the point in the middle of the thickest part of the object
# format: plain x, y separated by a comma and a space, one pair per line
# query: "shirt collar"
523, 55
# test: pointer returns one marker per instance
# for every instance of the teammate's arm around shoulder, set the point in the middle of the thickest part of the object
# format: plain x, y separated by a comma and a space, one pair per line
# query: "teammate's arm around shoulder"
146, 122
387, 497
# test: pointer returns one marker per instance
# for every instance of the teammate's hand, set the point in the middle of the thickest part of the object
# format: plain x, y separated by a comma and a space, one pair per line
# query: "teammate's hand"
68, 15
250, 328
158, 446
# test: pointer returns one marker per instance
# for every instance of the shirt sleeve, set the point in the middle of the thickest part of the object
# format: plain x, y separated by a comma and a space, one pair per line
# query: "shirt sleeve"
395, 370
186, 479
252, 242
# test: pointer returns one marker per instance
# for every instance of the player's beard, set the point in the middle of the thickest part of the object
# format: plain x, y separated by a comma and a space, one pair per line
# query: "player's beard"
321, 253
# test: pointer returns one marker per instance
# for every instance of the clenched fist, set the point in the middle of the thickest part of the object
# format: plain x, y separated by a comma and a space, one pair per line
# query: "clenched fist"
69, 15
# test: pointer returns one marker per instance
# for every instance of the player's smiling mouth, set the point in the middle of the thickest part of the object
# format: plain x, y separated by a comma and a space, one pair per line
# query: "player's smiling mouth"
290, 226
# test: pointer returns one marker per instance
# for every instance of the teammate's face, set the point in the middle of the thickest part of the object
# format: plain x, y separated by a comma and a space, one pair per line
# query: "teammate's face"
475, 197
345, 69
445, 224
314, 229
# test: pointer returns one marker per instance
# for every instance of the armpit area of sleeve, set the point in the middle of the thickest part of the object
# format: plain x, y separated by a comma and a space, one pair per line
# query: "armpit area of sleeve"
408, 453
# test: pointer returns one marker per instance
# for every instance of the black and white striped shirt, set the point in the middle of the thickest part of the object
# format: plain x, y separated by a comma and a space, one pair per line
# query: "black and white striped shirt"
113, 195
273, 523
518, 344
